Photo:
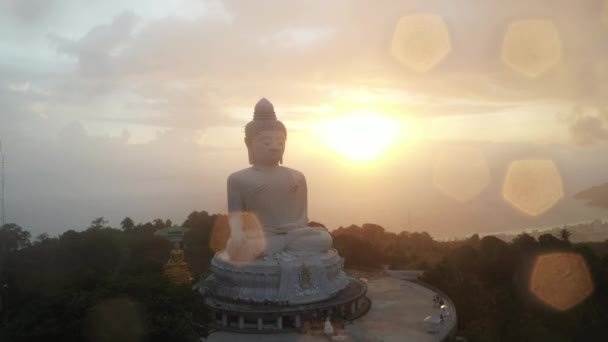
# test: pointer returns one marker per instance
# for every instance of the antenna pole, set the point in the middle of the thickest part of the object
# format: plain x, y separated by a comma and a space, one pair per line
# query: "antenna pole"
2, 181
409, 220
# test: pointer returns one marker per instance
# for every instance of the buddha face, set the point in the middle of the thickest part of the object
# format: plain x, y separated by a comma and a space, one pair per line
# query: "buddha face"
268, 147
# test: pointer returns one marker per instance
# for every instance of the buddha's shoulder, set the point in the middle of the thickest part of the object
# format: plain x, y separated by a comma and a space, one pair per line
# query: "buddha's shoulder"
245, 175
241, 175
294, 172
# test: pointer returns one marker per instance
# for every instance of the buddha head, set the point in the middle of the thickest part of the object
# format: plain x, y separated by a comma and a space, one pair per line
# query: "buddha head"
265, 135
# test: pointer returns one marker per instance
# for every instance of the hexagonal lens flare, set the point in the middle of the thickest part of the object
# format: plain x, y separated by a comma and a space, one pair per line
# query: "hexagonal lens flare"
461, 172
532, 186
420, 41
532, 47
220, 233
561, 280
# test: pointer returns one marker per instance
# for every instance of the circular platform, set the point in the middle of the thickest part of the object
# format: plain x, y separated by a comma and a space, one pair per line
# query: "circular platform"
234, 316
397, 314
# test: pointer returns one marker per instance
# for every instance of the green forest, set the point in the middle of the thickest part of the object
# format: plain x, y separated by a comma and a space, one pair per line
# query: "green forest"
75, 286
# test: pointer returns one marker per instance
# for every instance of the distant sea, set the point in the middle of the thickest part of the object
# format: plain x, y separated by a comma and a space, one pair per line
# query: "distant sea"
539, 228
529, 230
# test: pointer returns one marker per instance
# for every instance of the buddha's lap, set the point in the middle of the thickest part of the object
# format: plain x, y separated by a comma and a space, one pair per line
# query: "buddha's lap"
321, 241
304, 239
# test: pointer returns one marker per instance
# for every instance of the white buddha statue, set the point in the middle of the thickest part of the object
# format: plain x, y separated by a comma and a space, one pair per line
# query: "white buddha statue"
267, 202
272, 254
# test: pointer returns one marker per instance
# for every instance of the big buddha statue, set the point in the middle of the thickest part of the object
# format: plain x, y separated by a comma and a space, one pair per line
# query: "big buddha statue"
273, 255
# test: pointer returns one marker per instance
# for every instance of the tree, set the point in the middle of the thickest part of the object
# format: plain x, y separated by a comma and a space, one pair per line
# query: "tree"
564, 235
127, 224
497, 261
549, 241
208, 234
159, 223
98, 223
474, 240
525, 242
59, 289
13, 237
316, 224
358, 252
373, 232
41, 237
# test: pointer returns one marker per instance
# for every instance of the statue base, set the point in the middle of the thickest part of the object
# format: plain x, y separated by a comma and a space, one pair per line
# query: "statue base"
249, 317
278, 279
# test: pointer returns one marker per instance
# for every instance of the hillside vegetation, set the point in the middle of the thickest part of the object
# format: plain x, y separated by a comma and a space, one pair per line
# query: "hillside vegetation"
80, 286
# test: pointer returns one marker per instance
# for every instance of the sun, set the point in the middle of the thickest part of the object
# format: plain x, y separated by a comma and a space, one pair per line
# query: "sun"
360, 136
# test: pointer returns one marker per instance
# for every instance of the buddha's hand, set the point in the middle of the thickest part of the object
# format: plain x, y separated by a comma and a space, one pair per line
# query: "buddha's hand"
235, 244
241, 247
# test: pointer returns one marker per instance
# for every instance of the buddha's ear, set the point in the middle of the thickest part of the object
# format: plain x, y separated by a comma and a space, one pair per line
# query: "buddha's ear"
249, 152
251, 157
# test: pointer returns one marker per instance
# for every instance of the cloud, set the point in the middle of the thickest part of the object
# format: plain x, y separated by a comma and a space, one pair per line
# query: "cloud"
188, 77
240, 51
587, 125
96, 50
73, 132
177, 105
28, 11
23, 105
353, 53
54, 184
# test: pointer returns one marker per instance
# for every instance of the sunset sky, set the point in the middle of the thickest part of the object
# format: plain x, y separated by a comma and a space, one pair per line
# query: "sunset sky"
398, 112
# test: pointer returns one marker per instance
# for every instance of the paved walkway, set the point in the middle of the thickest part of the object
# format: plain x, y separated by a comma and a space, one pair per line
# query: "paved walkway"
398, 310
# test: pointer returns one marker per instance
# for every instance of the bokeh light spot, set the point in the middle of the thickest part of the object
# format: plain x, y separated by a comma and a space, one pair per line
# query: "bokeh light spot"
561, 280
220, 233
461, 172
531, 47
532, 186
117, 319
420, 41
251, 243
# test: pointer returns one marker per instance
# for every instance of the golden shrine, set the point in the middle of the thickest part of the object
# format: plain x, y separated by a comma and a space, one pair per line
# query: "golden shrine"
176, 269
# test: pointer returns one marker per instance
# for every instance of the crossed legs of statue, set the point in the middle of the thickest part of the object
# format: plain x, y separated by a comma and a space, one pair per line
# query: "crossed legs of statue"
296, 242
304, 241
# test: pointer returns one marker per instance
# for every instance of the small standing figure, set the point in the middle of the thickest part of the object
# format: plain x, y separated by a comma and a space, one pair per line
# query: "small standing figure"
329, 329
436, 301
443, 312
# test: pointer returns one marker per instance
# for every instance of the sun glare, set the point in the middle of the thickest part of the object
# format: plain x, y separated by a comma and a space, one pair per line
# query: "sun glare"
361, 137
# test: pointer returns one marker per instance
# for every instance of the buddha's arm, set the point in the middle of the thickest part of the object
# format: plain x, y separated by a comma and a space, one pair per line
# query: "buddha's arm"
305, 200
236, 207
